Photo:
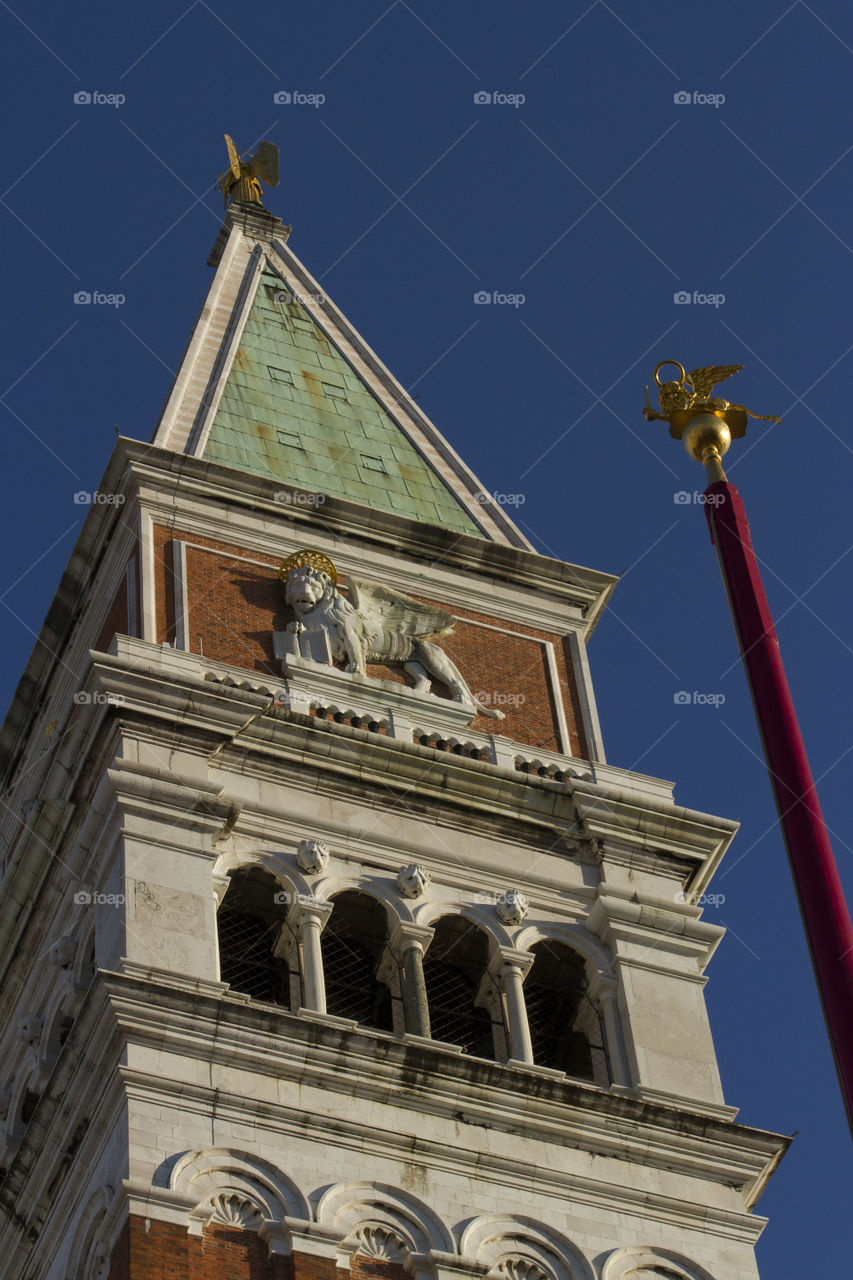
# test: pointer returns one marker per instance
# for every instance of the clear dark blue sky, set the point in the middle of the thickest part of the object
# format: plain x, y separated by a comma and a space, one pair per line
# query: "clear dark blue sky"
598, 198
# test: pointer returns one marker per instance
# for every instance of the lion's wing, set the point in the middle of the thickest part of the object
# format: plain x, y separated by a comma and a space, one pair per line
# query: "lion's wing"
387, 610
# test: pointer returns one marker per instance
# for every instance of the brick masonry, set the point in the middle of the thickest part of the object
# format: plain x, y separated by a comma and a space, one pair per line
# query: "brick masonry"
234, 606
151, 1250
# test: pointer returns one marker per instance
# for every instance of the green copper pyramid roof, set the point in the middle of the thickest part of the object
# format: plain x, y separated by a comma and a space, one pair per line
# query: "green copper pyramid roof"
294, 409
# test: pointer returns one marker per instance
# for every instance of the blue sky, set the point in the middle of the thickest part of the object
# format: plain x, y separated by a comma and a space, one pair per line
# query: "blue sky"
597, 198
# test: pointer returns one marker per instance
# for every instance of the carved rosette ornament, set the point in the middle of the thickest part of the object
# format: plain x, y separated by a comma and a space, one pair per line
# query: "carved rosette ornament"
413, 881
312, 856
512, 907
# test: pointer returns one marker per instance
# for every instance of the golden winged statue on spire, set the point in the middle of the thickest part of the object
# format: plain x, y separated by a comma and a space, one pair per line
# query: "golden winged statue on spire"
241, 181
682, 398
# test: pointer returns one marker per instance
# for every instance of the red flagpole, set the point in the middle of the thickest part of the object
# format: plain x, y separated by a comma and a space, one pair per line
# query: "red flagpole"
822, 904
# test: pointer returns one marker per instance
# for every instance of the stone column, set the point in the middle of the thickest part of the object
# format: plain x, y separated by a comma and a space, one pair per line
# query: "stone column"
604, 992
309, 918
513, 968
410, 941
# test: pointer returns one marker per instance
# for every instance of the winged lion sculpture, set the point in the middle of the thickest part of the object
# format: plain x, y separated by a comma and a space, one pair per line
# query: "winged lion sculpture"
373, 625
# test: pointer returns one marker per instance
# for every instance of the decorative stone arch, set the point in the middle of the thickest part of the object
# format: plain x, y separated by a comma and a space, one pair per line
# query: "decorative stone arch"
648, 1263
480, 914
89, 1256
598, 958
397, 909
513, 1247
289, 877
240, 1191
381, 1222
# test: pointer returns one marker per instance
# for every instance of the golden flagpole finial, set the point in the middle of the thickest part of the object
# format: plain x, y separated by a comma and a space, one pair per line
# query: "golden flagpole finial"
705, 424
240, 184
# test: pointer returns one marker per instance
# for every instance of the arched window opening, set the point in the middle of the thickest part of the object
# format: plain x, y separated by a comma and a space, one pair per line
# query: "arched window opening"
354, 942
565, 1025
249, 925
455, 974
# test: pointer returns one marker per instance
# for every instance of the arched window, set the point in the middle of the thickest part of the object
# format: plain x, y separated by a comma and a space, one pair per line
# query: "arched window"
458, 987
249, 923
565, 1026
354, 942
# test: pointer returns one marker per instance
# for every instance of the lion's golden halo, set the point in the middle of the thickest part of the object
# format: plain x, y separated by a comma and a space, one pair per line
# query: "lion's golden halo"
313, 559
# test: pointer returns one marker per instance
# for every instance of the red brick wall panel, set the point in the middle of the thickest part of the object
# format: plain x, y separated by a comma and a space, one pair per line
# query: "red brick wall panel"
116, 620
234, 606
151, 1250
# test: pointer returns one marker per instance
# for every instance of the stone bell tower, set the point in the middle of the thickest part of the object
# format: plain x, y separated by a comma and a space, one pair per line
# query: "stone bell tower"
329, 941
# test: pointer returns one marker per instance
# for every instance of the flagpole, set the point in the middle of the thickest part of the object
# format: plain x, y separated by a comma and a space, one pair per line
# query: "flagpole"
706, 427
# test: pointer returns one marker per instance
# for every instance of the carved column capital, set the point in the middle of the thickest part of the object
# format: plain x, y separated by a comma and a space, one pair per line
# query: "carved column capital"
407, 934
308, 911
511, 957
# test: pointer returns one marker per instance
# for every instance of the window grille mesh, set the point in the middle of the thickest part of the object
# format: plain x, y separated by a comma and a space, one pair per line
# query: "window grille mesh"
249, 927
353, 943
454, 965
557, 1002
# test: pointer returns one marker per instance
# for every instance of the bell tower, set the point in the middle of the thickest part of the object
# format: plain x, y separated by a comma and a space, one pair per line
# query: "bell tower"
329, 941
